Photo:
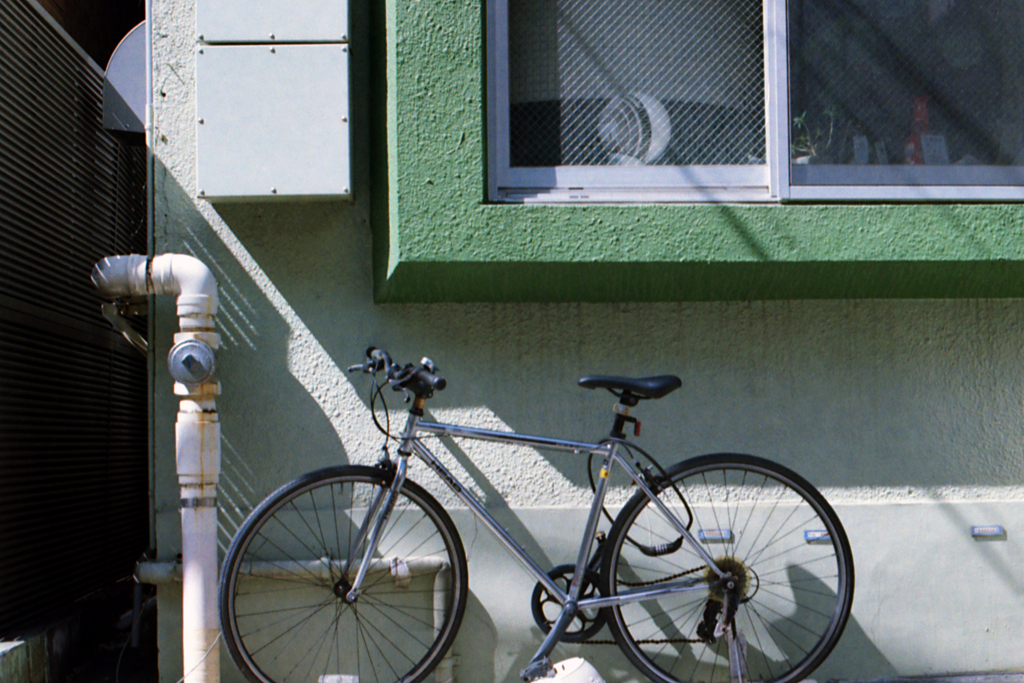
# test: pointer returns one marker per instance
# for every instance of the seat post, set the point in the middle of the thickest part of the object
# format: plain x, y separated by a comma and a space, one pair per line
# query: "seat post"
622, 416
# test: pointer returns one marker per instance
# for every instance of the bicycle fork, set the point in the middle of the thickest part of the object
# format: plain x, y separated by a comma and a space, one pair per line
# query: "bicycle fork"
379, 512
377, 516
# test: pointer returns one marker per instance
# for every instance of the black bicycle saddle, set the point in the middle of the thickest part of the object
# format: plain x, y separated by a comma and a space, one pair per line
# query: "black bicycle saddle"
641, 387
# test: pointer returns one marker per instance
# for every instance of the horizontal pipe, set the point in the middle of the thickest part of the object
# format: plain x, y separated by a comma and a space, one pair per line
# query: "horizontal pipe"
159, 573
134, 275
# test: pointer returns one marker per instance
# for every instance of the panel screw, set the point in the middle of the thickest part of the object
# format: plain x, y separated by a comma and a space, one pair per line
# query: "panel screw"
272, 36
344, 37
200, 50
273, 50
273, 190
201, 37
344, 190
202, 121
344, 48
345, 119
202, 192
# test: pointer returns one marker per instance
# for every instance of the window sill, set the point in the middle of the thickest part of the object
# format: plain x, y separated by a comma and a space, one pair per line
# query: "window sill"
699, 252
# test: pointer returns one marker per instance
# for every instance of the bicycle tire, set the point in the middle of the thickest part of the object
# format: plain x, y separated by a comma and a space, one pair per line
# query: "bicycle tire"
775, 531
282, 618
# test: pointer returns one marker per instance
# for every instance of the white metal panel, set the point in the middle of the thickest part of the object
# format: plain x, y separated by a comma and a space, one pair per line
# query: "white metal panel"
272, 121
255, 21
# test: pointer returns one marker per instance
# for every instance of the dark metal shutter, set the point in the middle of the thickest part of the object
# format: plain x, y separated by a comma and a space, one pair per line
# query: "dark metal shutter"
74, 513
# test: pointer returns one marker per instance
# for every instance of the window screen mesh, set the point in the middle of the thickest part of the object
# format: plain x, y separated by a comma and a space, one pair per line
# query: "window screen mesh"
929, 82
635, 82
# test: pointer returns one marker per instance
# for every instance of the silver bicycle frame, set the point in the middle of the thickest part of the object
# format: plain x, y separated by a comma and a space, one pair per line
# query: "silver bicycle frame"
411, 444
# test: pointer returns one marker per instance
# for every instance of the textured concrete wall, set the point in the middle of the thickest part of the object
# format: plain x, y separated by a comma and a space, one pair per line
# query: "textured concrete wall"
906, 413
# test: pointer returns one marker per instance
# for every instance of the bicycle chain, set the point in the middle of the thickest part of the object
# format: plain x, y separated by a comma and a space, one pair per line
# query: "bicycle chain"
673, 577
648, 641
654, 641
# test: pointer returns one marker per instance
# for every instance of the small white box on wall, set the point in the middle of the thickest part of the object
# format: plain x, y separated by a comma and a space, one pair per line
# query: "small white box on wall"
272, 121
256, 21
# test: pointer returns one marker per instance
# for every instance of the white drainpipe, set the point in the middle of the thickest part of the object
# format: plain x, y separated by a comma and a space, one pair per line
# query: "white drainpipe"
197, 433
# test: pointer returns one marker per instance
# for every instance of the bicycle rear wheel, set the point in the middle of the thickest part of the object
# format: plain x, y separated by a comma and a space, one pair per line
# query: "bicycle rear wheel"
759, 521
285, 576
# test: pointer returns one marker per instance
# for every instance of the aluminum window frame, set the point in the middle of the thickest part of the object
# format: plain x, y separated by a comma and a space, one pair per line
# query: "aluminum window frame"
772, 182
627, 184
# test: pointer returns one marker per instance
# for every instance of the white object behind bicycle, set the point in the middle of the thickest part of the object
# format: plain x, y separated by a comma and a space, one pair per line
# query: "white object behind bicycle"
576, 670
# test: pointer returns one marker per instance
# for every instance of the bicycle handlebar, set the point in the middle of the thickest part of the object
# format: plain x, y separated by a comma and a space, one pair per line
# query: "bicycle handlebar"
422, 381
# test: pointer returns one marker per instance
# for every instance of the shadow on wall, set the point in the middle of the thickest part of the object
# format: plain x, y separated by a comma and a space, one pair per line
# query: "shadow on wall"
855, 646
285, 402
989, 554
477, 635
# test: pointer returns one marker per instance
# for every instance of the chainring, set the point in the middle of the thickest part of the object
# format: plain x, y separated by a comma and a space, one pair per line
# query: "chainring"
546, 609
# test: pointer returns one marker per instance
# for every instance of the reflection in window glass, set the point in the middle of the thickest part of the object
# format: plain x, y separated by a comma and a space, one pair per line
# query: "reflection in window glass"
908, 83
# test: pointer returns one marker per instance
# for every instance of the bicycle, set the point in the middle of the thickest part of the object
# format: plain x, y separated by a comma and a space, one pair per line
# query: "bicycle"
720, 568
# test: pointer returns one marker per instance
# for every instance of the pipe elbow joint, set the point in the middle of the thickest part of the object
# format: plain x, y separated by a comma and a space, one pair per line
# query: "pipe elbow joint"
121, 277
189, 279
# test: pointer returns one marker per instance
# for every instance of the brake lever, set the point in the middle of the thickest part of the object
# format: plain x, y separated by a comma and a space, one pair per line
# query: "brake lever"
398, 376
369, 366
376, 360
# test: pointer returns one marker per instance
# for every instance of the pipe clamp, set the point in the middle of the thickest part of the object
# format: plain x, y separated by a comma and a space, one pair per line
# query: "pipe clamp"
200, 392
187, 503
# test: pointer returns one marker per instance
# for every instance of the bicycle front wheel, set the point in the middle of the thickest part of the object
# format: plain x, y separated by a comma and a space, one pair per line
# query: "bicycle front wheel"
766, 526
286, 575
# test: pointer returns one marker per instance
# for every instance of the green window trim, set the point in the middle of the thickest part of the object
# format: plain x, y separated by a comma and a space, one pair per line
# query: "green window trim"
436, 238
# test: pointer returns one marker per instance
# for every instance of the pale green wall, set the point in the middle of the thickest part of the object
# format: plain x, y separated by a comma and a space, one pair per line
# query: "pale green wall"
908, 414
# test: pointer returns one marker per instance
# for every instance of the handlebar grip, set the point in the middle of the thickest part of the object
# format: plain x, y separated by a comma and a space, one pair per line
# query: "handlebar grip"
434, 382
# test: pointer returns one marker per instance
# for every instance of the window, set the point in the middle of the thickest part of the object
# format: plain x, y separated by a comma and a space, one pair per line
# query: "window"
907, 95
739, 100
628, 98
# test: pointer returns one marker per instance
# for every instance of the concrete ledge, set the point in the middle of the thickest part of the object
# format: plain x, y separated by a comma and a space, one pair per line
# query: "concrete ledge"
45, 652
995, 677
25, 661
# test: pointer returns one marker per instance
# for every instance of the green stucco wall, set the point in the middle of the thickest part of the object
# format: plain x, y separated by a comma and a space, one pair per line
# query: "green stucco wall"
437, 239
